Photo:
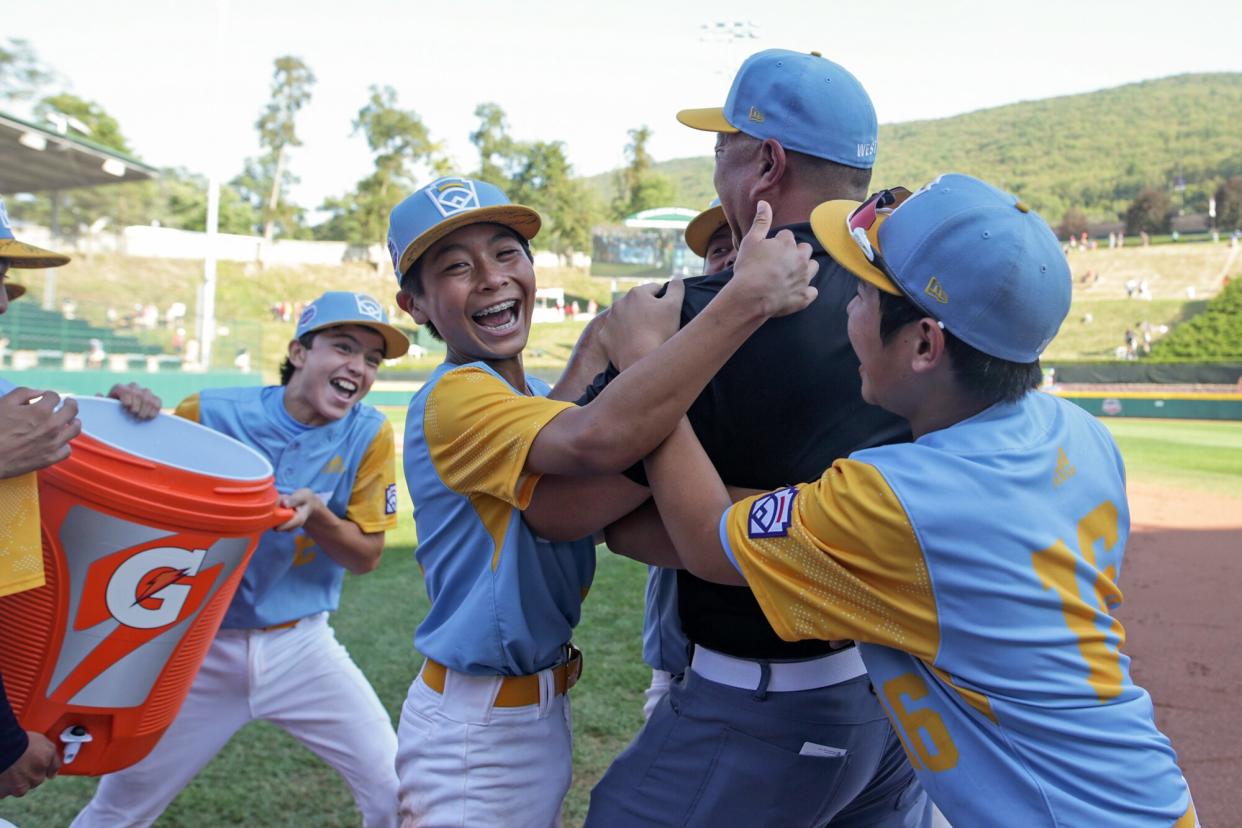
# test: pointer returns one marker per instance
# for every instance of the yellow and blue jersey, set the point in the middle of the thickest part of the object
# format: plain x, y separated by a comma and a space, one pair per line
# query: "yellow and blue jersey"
977, 568
349, 463
503, 601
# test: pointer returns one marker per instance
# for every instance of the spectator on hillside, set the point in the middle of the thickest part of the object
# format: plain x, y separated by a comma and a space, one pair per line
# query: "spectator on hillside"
1131, 344
150, 317
1131, 288
242, 361
68, 308
174, 314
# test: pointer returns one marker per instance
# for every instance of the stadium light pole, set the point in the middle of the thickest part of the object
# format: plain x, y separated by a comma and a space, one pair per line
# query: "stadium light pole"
207, 291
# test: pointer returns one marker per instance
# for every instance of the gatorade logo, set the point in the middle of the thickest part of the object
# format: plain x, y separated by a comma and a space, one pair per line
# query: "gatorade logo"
148, 588
148, 591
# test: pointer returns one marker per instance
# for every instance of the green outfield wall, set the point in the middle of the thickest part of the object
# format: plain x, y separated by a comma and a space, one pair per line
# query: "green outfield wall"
1154, 404
169, 386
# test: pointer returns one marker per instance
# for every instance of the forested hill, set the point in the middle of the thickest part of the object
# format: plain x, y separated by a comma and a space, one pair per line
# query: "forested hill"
1094, 151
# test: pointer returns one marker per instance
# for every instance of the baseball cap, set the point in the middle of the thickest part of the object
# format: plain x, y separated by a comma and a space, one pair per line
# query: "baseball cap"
808, 103
21, 254
343, 307
703, 226
444, 205
973, 257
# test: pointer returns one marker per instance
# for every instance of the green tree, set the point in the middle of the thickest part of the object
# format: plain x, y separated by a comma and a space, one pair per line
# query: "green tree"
22, 76
1149, 212
496, 148
1229, 204
402, 148
292, 80
84, 117
1073, 224
638, 185
545, 181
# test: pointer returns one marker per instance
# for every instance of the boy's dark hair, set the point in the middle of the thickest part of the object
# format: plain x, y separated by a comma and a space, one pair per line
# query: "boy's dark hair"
287, 368
987, 377
412, 279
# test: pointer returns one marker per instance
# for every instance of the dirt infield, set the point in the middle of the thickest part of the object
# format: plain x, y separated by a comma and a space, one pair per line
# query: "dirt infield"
1181, 569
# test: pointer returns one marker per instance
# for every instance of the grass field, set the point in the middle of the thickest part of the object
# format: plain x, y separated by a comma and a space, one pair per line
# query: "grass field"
264, 778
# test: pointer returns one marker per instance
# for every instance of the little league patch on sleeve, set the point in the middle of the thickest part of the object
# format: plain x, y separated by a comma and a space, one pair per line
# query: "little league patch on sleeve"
390, 499
771, 514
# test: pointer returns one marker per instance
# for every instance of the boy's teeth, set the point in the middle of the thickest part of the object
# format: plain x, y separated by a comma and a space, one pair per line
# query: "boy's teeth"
496, 308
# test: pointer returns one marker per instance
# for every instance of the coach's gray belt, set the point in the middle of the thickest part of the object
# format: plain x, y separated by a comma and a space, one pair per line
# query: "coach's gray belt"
785, 676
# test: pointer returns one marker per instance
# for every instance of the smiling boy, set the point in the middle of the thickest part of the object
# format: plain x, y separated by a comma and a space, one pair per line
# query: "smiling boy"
275, 657
496, 469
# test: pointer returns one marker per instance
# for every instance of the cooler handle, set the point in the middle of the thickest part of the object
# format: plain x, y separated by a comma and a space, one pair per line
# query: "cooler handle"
281, 514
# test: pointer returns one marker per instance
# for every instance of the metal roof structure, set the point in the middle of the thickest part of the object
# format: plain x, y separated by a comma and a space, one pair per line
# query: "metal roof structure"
35, 158
662, 218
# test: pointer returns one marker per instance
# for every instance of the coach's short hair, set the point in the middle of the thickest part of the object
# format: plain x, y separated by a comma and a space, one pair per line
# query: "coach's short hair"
987, 377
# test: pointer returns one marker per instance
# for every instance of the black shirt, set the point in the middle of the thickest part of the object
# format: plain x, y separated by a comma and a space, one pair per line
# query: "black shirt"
781, 410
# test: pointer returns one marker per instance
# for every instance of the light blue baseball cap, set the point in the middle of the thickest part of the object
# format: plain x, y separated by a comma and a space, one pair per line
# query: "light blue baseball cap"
443, 206
808, 103
343, 307
973, 257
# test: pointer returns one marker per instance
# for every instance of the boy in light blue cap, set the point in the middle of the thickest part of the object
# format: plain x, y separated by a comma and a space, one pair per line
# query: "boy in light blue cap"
276, 657
498, 473
977, 566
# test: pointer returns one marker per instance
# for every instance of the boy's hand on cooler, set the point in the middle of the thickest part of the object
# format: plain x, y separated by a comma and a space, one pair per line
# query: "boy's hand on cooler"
303, 503
772, 275
138, 401
640, 322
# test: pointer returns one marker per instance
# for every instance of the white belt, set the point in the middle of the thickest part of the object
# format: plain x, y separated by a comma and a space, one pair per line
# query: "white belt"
785, 676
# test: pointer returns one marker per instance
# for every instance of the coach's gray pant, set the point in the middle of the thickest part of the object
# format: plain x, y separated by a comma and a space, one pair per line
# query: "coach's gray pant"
714, 755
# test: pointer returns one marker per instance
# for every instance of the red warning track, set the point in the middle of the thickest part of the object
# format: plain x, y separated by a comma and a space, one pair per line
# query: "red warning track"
1181, 578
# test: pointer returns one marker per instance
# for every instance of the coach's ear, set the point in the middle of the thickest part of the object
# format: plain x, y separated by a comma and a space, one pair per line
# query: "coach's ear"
409, 303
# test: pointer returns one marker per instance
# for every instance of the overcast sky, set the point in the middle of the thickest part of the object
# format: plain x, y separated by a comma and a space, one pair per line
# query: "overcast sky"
580, 72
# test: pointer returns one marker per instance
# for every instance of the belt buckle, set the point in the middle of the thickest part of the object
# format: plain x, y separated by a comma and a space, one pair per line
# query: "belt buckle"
573, 666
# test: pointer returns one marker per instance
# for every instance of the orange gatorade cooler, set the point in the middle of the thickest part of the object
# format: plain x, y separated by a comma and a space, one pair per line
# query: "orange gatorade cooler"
146, 530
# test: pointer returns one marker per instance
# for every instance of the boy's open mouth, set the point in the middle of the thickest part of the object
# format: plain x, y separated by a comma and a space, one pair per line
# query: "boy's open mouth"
346, 388
498, 318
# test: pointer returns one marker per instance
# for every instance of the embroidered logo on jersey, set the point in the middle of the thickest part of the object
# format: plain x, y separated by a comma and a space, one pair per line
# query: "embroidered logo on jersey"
390, 499
771, 514
335, 466
1064, 470
307, 315
755, 115
369, 307
936, 291
453, 195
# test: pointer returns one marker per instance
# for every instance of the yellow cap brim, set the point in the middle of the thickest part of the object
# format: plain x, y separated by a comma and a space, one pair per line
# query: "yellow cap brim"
12, 290
521, 219
702, 227
828, 223
711, 119
25, 255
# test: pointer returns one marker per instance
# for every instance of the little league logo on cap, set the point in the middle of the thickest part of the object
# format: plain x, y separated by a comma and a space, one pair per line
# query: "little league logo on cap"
445, 205
452, 195
971, 256
342, 307
807, 103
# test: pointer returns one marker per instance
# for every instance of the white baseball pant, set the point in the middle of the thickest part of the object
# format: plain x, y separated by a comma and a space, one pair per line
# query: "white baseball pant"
463, 761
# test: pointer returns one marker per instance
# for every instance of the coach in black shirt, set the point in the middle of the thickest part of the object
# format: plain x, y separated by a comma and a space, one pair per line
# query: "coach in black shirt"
762, 731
